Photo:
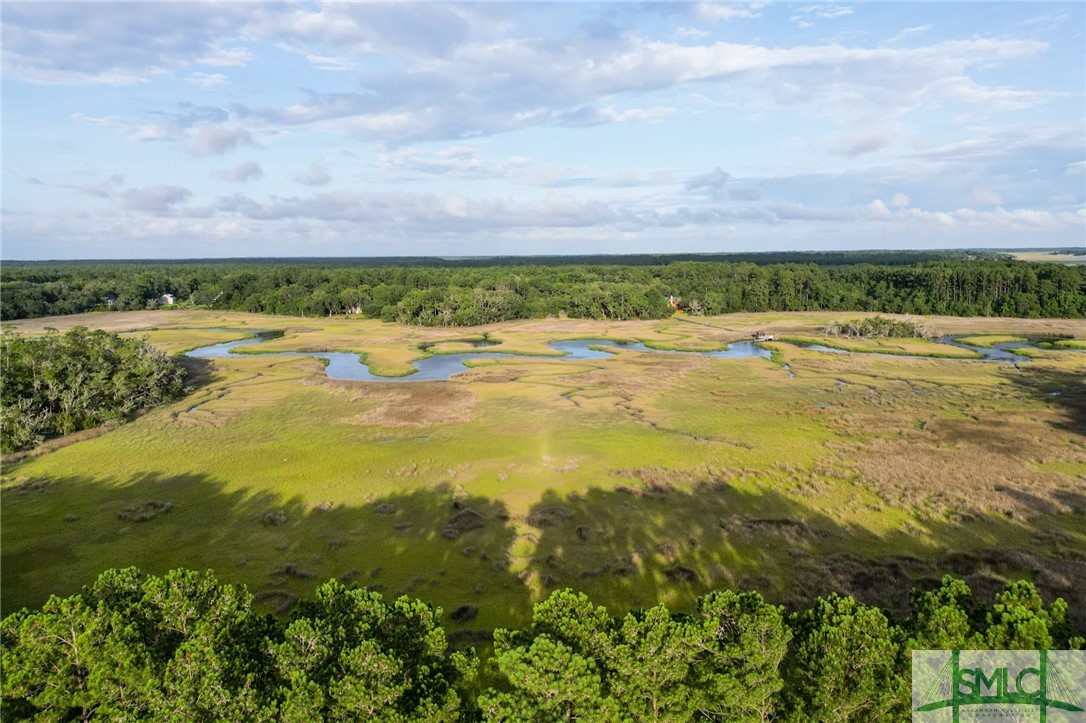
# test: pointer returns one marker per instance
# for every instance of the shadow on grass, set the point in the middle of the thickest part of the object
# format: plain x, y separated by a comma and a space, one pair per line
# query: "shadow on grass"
635, 548
1065, 389
199, 373
433, 544
626, 549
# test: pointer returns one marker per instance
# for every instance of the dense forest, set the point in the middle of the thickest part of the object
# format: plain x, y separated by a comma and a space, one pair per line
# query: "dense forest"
462, 292
62, 383
186, 647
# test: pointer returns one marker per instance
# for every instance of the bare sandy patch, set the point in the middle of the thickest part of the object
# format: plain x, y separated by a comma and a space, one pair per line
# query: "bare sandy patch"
420, 404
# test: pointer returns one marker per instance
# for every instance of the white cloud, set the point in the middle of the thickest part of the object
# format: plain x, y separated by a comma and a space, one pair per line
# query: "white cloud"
207, 81
985, 99
986, 196
907, 32
691, 33
589, 116
460, 161
746, 194
226, 57
151, 132
711, 184
155, 200
116, 43
716, 11
322, 62
250, 170
314, 174
500, 86
428, 211
832, 11
825, 11
216, 141
878, 210
402, 30
864, 142
899, 200
105, 188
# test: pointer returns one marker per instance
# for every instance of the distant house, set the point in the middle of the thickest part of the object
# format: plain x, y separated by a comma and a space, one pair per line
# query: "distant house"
111, 300
675, 303
166, 300
762, 336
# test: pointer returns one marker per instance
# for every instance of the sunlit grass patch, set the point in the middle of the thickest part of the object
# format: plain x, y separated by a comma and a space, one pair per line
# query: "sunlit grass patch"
988, 341
176, 341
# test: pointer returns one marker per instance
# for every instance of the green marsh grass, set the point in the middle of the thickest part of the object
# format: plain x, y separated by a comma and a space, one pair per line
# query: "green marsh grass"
678, 473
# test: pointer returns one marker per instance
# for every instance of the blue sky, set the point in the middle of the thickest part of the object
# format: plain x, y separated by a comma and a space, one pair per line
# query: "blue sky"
179, 130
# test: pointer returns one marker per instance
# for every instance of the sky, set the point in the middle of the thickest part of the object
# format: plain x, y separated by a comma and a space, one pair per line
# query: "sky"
242, 129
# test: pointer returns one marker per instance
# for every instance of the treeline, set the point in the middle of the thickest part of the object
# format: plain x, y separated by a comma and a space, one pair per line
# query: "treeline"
62, 383
877, 327
185, 647
465, 295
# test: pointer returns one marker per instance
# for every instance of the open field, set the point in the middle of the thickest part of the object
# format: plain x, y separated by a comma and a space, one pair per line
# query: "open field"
1047, 257
639, 478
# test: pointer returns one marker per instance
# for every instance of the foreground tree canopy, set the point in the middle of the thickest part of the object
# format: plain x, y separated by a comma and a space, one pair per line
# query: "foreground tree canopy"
435, 293
186, 647
62, 383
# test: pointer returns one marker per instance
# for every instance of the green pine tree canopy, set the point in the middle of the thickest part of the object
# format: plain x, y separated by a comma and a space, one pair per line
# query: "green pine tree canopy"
185, 647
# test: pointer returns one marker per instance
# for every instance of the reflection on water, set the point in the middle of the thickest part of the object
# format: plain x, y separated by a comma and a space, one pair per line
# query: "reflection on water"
347, 366
998, 352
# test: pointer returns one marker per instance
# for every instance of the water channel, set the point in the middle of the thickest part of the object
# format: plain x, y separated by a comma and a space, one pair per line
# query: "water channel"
349, 366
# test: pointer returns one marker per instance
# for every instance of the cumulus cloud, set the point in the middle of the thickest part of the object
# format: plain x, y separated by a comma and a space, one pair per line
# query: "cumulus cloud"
154, 200
426, 222
495, 86
314, 175
250, 170
460, 72
878, 210
217, 141
997, 218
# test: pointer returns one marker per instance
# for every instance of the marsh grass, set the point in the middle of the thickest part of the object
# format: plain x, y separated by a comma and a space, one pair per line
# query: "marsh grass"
897, 347
988, 341
638, 478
